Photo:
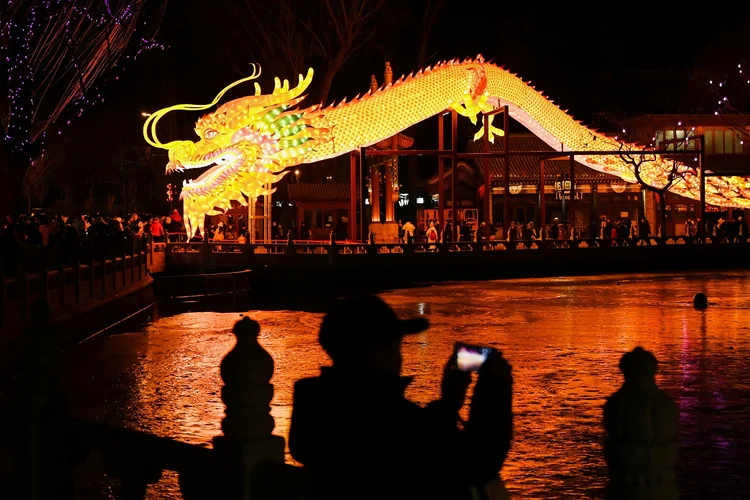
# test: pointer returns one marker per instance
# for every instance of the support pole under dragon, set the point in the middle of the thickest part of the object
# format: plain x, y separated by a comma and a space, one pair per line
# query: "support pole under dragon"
486, 171
542, 207
375, 197
362, 166
391, 176
571, 210
441, 172
702, 202
454, 173
353, 196
506, 167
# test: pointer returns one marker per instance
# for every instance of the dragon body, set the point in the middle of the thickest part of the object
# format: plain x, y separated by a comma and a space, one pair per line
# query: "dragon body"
249, 143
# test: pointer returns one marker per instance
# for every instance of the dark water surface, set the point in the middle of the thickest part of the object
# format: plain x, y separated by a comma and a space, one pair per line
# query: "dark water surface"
563, 336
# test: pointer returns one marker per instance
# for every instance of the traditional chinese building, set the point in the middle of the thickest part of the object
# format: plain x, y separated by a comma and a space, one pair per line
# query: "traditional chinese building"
727, 149
595, 195
321, 207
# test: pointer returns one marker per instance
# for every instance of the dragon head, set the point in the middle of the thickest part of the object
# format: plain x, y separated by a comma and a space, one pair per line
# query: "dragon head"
246, 145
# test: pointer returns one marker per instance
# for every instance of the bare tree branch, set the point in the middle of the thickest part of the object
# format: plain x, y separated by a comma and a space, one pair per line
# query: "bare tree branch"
297, 34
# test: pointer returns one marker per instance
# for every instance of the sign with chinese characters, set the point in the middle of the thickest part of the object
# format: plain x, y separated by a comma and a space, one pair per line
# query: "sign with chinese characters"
559, 195
563, 186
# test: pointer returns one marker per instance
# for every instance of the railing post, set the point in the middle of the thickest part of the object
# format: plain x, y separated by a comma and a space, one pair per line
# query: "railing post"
78, 283
44, 276
62, 286
24, 277
41, 446
206, 250
124, 267
247, 426
333, 250
91, 278
289, 243
2, 292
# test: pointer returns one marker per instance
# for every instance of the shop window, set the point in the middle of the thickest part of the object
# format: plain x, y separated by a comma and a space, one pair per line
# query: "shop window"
719, 142
723, 142
659, 136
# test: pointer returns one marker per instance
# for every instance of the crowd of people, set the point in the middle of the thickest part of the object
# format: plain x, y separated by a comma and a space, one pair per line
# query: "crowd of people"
34, 241
724, 230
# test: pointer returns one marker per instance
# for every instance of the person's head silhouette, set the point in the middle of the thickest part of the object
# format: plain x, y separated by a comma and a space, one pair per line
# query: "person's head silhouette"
364, 333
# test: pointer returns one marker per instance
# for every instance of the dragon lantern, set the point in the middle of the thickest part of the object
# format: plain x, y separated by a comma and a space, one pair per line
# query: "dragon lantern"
249, 143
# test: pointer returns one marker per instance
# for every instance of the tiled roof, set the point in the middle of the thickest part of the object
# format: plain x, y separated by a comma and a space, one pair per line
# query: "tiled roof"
403, 142
329, 191
525, 169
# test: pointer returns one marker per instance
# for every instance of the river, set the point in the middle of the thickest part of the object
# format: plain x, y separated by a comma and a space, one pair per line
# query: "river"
563, 337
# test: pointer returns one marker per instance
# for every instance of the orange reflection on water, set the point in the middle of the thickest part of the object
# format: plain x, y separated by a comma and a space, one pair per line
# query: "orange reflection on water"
563, 337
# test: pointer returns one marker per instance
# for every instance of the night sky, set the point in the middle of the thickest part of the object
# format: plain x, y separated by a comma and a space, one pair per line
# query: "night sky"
608, 58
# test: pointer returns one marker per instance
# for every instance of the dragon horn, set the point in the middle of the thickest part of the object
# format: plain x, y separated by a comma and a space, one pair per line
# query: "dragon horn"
149, 128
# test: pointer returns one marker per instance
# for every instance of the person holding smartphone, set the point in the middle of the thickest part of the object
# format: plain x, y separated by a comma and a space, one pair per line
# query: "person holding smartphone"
359, 437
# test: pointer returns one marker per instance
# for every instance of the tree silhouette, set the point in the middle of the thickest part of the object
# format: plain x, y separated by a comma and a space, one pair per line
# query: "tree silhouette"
642, 165
57, 56
295, 34
732, 94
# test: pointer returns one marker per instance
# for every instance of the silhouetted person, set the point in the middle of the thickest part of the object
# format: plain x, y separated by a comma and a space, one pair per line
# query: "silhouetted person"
641, 424
359, 437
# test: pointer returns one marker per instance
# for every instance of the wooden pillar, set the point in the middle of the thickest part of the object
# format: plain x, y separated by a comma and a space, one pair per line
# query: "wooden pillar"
595, 213
441, 172
506, 172
489, 196
267, 209
571, 205
250, 221
388, 192
702, 203
486, 164
454, 172
389, 204
542, 207
352, 197
375, 198
362, 165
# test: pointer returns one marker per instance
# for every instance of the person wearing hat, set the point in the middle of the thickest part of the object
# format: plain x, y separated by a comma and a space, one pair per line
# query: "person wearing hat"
359, 437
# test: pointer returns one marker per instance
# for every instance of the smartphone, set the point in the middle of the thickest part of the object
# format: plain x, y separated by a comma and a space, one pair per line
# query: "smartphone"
470, 358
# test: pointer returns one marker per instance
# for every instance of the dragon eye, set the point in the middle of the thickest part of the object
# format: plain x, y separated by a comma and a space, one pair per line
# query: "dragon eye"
210, 134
